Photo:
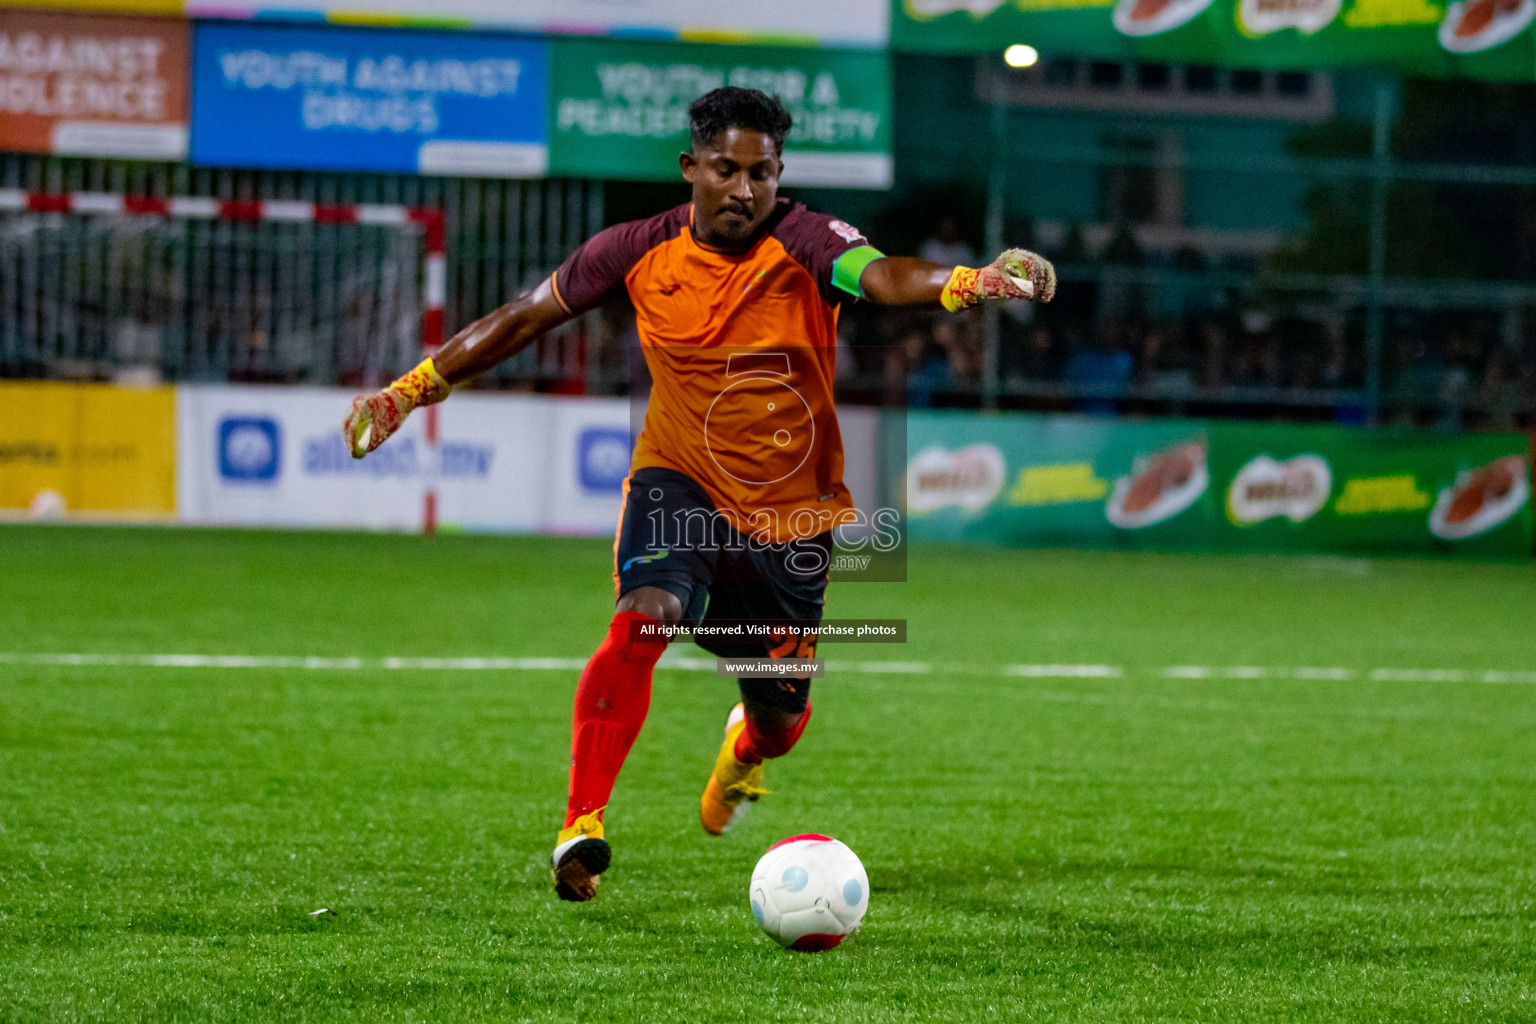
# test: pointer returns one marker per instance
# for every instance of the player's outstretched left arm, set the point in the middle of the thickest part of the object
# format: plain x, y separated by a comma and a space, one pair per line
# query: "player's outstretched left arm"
904, 281
471, 352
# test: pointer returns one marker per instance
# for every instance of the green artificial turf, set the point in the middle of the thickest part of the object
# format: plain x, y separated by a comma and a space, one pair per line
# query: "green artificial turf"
1088, 849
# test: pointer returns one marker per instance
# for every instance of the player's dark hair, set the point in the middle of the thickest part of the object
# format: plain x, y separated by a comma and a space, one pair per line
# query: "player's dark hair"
733, 107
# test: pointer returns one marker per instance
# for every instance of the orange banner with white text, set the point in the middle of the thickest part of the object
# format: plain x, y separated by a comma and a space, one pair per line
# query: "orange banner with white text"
94, 85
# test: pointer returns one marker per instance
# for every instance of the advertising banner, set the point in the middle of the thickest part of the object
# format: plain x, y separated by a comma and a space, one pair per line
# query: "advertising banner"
169, 8
89, 451
1383, 491
620, 109
1479, 38
1057, 481
273, 456
1066, 481
93, 86
852, 23
370, 100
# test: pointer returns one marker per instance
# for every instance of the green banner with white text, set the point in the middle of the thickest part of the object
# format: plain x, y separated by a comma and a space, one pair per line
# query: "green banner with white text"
1489, 39
619, 109
1066, 481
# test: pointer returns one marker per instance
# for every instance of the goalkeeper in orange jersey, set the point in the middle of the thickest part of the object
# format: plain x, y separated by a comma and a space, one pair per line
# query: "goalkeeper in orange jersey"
736, 481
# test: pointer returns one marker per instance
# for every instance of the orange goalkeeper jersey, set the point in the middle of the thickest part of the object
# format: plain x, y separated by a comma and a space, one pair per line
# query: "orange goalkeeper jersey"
741, 348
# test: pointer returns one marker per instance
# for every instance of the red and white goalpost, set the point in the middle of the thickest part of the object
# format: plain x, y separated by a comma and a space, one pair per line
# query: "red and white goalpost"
425, 221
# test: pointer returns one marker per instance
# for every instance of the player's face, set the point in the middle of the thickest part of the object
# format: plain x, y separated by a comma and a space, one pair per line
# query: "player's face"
735, 182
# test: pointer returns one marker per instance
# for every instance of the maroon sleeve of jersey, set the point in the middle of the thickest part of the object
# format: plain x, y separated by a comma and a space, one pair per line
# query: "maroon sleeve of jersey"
594, 274
815, 241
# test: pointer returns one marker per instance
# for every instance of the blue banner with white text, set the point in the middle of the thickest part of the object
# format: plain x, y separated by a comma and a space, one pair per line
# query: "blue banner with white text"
370, 100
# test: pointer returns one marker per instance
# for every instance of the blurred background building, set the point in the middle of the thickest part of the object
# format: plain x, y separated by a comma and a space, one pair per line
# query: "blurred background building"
1234, 242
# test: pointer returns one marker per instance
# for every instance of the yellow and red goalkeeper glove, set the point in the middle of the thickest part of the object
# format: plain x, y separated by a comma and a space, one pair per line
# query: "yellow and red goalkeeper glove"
374, 417
1016, 274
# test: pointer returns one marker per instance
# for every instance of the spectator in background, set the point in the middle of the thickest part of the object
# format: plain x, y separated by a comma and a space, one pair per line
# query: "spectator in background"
1258, 360
1528, 391
958, 339
1455, 391
1500, 395
918, 367
1123, 248
846, 366
1335, 368
946, 246
1040, 359
1101, 373
1213, 343
1119, 297
1151, 355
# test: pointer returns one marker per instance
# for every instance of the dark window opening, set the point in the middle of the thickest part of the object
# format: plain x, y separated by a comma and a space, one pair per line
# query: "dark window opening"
1061, 72
1106, 74
1128, 186
1154, 76
1296, 84
1200, 78
1248, 83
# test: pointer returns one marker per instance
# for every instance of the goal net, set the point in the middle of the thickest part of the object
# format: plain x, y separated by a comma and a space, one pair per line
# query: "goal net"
103, 286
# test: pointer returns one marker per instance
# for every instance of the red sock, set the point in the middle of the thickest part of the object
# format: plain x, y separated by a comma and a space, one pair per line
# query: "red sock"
612, 699
754, 744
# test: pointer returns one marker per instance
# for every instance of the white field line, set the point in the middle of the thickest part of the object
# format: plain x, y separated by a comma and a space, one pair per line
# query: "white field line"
914, 668
1380, 675
1065, 671
314, 664
1257, 672
686, 664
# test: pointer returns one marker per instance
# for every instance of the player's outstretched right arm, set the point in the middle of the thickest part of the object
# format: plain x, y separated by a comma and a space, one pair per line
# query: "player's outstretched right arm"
477, 348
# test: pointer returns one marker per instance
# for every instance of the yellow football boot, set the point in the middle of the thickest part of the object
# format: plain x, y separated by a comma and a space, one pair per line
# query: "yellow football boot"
581, 854
733, 786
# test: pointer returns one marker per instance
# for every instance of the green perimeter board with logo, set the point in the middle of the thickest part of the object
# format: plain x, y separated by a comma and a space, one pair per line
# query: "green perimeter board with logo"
619, 109
1373, 491
1067, 481
1490, 39
1043, 481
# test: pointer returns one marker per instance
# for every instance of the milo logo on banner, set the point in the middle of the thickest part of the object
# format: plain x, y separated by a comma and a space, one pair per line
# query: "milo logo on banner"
1261, 17
969, 479
1265, 488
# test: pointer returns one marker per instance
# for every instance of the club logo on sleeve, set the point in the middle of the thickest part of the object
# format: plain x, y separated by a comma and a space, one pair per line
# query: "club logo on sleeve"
847, 232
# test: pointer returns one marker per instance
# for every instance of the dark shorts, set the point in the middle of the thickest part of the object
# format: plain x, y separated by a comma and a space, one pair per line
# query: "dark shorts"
671, 537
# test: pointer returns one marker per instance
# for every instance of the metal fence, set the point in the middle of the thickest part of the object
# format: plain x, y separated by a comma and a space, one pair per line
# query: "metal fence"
1211, 335
111, 296
1354, 287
